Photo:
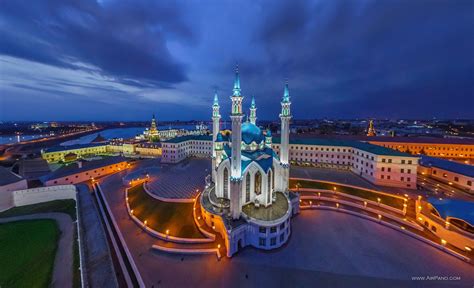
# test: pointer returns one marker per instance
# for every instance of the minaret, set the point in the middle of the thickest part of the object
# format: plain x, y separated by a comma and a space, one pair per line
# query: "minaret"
371, 130
285, 117
236, 169
216, 117
268, 138
253, 112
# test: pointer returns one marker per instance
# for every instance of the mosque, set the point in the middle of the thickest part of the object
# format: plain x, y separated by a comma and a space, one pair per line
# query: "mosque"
248, 201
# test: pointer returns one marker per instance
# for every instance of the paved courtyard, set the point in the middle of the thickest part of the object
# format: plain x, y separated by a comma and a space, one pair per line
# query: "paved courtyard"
180, 180
326, 249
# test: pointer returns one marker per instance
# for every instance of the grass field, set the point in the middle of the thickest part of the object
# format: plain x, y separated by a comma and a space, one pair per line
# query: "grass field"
359, 192
161, 216
27, 252
61, 206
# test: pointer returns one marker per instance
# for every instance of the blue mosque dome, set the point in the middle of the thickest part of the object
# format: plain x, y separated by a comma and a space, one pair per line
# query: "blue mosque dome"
219, 138
251, 133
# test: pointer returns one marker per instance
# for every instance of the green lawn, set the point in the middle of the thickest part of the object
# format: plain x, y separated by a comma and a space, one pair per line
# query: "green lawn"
359, 192
67, 206
161, 216
27, 251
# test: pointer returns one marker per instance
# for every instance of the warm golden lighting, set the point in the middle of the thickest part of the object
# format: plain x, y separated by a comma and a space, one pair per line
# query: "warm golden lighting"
334, 188
214, 227
378, 200
131, 211
419, 207
145, 222
167, 232
337, 205
365, 203
419, 218
218, 246
310, 202
444, 242
402, 227
380, 216
467, 249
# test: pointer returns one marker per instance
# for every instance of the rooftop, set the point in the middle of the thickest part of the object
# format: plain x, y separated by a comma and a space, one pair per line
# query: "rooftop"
452, 166
8, 177
454, 208
273, 212
371, 148
72, 147
189, 137
86, 165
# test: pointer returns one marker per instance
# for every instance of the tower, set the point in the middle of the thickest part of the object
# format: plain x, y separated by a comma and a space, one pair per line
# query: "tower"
285, 117
371, 130
253, 112
153, 133
236, 169
268, 138
215, 131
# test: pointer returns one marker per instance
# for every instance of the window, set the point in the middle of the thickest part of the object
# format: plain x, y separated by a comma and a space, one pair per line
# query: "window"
258, 183
226, 183
388, 177
273, 241
403, 162
389, 160
383, 160
409, 161
262, 230
282, 237
402, 170
282, 226
402, 178
261, 241
247, 187
383, 169
433, 228
389, 169
469, 183
273, 229
269, 195
456, 179
409, 171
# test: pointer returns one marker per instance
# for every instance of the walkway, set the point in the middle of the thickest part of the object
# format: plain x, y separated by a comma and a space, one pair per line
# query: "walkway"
182, 180
62, 272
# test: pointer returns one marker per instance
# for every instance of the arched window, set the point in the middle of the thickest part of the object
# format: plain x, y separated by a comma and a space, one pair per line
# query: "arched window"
226, 183
269, 194
247, 188
258, 183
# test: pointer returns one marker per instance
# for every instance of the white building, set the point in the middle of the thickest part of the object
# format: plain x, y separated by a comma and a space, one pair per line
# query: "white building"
248, 201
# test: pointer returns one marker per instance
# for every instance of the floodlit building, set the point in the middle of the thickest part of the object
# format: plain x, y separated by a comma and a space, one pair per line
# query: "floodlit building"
248, 200
453, 173
371, 130
73, 152
84, 171
452, 220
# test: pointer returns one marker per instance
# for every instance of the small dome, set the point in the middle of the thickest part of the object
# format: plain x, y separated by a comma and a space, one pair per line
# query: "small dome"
251, 133
219, 138
269, 133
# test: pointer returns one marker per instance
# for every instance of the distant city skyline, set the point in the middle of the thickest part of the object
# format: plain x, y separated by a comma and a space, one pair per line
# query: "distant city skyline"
125, 60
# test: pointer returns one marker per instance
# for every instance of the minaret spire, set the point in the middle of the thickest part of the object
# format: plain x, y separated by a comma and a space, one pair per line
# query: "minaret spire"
253, 112
216, 117
236, 81
236, 165
285, 117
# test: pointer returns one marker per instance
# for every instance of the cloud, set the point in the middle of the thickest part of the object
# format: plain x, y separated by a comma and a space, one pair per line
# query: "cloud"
125, 40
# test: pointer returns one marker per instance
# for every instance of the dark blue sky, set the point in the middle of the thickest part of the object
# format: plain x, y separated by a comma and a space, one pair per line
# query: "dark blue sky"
124, 60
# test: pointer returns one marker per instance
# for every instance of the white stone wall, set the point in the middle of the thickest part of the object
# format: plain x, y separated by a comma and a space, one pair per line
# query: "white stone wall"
43, 194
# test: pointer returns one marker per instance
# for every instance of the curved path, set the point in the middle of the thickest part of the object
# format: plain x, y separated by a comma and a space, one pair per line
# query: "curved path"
62, 272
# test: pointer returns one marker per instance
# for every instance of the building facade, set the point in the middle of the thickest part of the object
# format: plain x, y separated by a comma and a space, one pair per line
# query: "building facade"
452, 173
248, 201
